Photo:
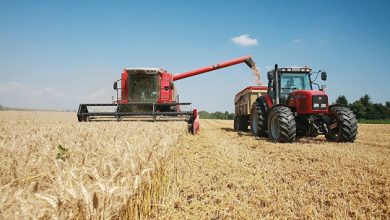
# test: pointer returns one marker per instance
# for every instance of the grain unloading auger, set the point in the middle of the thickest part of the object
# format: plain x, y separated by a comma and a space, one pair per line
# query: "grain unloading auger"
150, 94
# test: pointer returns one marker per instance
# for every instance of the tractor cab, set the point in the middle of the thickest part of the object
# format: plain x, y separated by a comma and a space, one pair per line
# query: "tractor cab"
294, 88
290, 80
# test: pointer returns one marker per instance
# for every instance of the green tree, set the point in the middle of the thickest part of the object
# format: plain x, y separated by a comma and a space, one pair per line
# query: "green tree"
342, 100
358, 109
204, 114
366, 100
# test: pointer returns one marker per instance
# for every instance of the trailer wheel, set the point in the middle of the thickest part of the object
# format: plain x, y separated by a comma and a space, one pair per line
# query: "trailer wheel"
343, 125
241, 123
235, 126
281, 125
257, 122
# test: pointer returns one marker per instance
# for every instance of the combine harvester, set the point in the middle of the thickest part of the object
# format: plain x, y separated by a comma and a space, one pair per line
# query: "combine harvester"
150, 94
290, 107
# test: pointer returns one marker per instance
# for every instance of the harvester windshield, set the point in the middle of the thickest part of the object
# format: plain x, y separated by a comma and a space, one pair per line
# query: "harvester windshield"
143, 87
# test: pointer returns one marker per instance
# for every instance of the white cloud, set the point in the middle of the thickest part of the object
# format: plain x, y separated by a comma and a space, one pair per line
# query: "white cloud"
296, 41
245, 40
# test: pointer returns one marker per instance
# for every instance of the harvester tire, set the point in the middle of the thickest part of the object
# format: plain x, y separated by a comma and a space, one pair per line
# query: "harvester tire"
281, 125
346, 129
258, 122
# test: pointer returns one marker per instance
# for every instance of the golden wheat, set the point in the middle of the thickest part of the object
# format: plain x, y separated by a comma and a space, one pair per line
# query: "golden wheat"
55, 167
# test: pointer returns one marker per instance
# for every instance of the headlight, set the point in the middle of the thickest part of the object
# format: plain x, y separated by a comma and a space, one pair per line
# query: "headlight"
316, 105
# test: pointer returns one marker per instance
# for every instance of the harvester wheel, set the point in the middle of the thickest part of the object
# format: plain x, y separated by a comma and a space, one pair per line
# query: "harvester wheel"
281, 124
343, 125
257, 122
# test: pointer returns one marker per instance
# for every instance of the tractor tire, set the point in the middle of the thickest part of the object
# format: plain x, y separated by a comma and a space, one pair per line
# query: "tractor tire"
343, 125
257, 121
281, 125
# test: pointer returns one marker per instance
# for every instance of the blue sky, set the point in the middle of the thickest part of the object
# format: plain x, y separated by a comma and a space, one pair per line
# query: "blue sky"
57, 54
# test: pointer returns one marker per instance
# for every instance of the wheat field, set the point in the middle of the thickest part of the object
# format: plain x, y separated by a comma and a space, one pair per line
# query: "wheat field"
53, 167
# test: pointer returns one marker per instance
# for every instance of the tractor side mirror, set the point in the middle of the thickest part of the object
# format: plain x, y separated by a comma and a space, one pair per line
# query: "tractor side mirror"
324, 76
115, 86
270, 75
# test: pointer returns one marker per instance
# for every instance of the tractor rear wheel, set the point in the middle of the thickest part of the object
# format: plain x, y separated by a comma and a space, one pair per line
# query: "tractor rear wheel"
258, 121
343, 125
281, 124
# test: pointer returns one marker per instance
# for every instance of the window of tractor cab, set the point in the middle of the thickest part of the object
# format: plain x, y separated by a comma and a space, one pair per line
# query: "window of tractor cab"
294, 81
143, 87
290, 82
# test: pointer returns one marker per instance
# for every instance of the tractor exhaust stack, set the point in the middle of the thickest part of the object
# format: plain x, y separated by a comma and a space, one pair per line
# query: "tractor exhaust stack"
276, 84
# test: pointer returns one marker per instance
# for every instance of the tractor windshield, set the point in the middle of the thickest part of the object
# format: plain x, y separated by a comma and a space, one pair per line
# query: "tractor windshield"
143, 87
294, 81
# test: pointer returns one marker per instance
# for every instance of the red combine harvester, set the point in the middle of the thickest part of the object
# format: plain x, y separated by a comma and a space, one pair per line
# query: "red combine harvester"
149, 93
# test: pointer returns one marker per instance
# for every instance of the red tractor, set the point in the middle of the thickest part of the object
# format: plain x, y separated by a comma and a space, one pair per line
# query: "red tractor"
291, 108
146, 93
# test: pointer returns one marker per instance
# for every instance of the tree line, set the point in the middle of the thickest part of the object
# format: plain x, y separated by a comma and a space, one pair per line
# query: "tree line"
216, 115
365, 109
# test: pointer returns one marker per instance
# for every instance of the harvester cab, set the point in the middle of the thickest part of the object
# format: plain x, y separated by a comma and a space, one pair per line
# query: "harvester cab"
150, 93
293, 108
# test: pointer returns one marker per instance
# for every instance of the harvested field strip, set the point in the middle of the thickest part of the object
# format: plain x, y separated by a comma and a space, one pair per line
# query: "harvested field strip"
223, 174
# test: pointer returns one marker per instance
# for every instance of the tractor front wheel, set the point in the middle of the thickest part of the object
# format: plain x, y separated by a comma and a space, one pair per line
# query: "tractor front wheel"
281, 124
343, 125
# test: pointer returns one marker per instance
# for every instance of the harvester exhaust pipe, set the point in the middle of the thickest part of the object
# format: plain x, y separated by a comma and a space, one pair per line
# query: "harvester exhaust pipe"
247, 59
276, 84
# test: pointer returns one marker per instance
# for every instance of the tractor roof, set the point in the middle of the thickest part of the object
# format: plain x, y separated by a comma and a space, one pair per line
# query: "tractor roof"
305, 69
146, 70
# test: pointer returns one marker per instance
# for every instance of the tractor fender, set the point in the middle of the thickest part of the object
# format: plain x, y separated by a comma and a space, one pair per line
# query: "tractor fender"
274, 106
267, 100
